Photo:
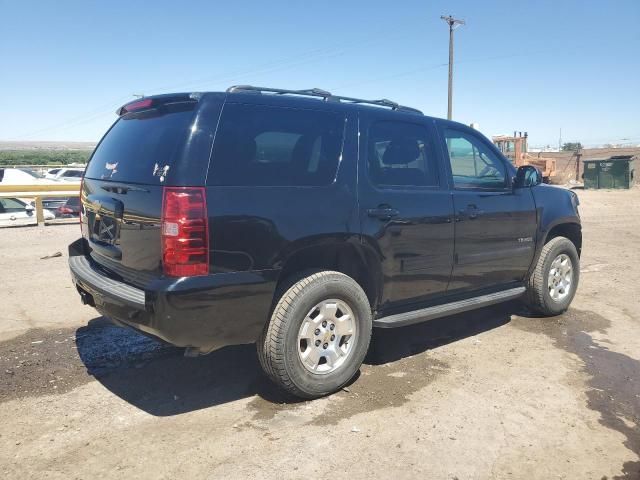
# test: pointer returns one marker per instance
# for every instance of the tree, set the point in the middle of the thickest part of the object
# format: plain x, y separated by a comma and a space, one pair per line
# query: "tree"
571, 147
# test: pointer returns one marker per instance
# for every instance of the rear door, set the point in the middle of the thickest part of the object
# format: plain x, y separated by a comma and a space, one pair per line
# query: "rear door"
495, 224
281, 180
406, 212
165, 142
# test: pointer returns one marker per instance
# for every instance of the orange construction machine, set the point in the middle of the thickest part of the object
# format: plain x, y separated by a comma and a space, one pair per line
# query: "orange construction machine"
515, 149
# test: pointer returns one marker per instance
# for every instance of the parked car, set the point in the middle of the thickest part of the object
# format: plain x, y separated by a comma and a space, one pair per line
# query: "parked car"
20, 176
14, 212
51, 173
54, 203
71, 208
68, 175
299, 220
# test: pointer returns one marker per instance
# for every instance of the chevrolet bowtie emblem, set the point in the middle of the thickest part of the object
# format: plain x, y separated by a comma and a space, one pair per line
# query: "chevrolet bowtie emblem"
106, 230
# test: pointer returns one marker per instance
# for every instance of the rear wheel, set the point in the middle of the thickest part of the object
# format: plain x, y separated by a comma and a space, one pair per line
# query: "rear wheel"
318, 335
554, 281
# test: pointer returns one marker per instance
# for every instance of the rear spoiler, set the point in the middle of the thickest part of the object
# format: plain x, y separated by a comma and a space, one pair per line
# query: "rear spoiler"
147, 103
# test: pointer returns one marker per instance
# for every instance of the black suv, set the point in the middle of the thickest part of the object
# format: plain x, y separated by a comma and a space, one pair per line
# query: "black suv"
299, 220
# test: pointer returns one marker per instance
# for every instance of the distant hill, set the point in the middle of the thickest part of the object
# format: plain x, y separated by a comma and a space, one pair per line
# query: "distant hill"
55, 146
44, 153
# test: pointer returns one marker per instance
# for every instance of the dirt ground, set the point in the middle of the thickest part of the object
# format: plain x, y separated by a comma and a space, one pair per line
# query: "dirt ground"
483, 395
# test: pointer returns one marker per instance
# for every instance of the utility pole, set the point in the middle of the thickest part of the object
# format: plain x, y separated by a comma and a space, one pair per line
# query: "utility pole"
453, 24
578, 158
560, 141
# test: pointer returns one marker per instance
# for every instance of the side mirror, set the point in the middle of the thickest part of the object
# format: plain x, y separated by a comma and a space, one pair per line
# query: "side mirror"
527, 176
29, 208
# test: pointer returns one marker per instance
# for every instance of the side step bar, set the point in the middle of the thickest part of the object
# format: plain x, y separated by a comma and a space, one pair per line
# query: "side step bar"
417, 316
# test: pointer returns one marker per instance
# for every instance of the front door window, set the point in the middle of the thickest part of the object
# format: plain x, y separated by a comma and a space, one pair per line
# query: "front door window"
473, 164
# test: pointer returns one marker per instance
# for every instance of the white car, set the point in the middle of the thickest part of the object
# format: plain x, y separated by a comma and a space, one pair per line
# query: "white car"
67, 174
51, 173
20, 176
14, 211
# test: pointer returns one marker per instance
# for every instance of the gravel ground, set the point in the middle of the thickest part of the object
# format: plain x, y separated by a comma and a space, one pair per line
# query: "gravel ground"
488, 394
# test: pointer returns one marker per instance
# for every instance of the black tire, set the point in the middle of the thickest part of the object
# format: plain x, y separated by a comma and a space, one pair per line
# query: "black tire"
537, 297
278, 345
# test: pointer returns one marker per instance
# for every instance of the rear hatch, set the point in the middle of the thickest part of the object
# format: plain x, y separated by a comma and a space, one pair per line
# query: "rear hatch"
122, 192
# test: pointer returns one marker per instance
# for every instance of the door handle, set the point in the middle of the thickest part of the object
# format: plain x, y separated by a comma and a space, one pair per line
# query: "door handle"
383, 212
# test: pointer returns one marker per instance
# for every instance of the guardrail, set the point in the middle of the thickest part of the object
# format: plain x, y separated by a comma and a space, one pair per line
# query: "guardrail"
40, 191
46, 165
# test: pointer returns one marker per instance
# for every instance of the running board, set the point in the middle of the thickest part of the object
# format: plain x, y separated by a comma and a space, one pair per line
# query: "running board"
417, 316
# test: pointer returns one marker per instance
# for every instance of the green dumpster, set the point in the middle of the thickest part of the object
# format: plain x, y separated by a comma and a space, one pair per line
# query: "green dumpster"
614, 172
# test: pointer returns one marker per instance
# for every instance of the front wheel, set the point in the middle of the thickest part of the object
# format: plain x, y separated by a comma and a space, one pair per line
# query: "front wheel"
554, 281
318, 335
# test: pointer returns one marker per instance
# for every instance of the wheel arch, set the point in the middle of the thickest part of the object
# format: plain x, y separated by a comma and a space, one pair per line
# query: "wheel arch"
348, 257
568, 227
570, 230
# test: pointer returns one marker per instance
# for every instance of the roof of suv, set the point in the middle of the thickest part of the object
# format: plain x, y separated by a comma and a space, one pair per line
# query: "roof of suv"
322, 94
311, 98
308, 97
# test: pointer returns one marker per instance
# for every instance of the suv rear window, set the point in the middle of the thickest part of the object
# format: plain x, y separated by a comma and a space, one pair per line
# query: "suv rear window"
141, 145
274, 146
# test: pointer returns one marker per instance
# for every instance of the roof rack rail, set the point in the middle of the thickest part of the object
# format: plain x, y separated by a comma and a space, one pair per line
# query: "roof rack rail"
326, 96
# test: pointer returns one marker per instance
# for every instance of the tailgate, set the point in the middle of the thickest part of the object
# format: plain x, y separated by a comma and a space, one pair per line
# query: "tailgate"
123, 185
122, 226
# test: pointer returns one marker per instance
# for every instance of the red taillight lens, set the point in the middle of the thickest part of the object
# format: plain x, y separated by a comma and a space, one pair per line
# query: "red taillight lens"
137, 105
185, 232
81, 204
65, 210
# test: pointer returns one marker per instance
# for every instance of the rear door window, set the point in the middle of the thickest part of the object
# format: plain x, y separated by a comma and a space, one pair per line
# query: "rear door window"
141, 147
400, 155
274, 146
11, 205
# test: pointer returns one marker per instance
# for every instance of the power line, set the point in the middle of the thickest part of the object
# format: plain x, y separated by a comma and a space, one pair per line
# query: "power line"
423, 69
114, 104
306, 57
100, 111
388, 77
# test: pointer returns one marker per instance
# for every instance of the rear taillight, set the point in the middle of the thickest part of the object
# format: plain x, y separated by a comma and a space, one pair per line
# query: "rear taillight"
185, 232
64, 210
81, 204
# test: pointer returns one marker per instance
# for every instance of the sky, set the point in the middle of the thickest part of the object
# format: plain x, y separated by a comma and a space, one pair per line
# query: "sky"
536, 66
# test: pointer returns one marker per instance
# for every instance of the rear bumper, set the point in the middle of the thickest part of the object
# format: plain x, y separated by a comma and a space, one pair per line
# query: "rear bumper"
205, 313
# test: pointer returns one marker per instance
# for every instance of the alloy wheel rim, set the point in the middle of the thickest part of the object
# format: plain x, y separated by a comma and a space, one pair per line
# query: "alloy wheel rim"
560, 278
326, 337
